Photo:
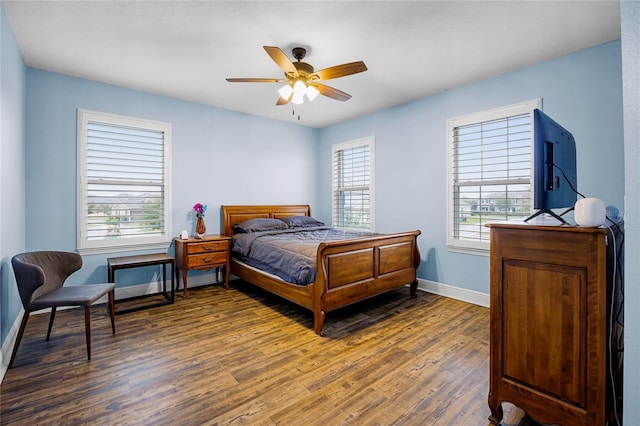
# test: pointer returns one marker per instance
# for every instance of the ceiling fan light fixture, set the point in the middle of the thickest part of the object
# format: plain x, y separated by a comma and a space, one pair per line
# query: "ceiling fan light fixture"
299, 88
285, 91
298, 98
301, 79
312, 92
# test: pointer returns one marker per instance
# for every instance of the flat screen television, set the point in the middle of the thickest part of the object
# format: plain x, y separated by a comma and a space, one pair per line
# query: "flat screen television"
554, 167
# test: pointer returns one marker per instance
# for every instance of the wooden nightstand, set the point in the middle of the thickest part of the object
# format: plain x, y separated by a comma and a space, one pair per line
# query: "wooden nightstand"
206, 253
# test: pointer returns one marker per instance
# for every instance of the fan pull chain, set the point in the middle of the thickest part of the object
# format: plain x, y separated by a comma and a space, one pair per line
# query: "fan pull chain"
293, 112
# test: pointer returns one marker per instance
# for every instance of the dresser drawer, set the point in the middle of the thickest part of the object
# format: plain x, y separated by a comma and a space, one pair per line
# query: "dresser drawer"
207, 247
212, 259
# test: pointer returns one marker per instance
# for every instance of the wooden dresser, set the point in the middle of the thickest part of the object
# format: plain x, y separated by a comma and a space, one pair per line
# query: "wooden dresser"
206, 253
549, 301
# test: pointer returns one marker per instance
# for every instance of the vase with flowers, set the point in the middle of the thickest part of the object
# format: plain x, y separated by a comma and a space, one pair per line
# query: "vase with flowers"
200, 209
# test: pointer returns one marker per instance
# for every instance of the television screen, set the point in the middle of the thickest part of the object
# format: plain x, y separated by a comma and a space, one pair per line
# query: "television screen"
554, 167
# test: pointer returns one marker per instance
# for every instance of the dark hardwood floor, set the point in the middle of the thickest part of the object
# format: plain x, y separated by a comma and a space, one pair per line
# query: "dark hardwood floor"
243, 356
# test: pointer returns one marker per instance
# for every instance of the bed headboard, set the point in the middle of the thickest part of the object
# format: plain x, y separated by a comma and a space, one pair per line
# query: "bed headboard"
236, 214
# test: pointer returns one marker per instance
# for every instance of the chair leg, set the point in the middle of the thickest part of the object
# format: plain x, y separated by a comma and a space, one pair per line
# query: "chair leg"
23, 325
111, 307
87, 329
51, 317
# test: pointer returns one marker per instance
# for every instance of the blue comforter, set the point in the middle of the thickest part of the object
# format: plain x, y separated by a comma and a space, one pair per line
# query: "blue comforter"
290, 253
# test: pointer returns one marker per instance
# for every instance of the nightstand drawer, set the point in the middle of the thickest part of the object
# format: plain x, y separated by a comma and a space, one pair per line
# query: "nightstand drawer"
207, 259
207, 247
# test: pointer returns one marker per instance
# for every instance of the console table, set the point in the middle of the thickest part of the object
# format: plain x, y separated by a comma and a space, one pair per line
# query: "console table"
127, 262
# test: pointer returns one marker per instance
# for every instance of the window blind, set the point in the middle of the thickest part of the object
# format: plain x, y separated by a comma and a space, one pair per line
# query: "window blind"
352, 187
124, 182
491, 174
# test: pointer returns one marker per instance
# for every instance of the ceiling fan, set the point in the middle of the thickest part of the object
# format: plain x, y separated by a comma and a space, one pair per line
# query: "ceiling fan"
301, 78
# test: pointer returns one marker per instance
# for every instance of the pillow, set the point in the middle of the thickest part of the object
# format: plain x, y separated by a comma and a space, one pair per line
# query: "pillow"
259, 224
301, 221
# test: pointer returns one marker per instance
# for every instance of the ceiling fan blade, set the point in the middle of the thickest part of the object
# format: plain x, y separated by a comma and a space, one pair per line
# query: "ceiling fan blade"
339, 71
281, 60
254, 80
331, 92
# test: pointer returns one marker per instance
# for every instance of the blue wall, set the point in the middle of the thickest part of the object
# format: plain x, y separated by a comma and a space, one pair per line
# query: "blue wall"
218, 157
582, 91
12, 170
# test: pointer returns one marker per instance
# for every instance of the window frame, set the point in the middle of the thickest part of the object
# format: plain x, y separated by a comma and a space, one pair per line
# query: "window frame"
469, 246
366, 141
86, 246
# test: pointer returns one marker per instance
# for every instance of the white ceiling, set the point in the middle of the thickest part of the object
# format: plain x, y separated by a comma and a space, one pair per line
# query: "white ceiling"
413, 49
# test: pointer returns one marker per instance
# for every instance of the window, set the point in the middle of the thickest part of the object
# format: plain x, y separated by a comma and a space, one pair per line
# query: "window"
353, 188
490, 173
124, 190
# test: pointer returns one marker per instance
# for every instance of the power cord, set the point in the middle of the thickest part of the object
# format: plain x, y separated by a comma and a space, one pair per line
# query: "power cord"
611, 315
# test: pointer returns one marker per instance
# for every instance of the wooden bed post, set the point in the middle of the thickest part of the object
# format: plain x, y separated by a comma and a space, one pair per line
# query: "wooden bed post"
318, 322
413, 288
320, 290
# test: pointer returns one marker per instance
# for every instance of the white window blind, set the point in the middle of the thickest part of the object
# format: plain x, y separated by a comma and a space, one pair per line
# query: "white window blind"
124, 188
353, 184
490, 173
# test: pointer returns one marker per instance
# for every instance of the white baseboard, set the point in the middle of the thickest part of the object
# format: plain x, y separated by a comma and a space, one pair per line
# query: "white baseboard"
470, 296
7, 346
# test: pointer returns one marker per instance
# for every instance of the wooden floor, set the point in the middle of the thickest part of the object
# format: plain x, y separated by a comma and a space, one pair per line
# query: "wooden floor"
243, 356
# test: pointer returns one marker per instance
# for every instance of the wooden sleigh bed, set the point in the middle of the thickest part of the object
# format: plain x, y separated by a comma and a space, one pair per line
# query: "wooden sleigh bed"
347, 271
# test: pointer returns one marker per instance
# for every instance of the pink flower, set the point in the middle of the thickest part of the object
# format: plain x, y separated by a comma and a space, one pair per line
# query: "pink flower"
199, 208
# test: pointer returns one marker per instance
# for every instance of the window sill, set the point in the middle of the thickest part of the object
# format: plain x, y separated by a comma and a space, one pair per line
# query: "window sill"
124, 248
469, 250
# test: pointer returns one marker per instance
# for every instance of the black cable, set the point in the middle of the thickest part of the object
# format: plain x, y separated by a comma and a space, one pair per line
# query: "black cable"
616, 255
573, 188
619, 267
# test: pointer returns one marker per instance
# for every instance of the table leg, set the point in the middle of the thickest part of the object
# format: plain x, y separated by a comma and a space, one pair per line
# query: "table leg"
164, 282
176, 272
184, 283
173, 289
226, 276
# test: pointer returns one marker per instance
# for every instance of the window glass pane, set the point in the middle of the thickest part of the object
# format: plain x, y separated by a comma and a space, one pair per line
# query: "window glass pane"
352, 185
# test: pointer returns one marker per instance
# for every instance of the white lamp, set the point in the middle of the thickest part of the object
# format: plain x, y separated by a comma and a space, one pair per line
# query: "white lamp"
312, 92
285, 91
296, 91
299, 89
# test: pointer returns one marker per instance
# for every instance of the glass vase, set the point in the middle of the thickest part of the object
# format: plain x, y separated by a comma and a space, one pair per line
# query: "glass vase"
201, 228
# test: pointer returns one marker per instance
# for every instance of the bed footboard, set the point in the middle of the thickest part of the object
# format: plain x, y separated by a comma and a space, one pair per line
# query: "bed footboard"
351, 271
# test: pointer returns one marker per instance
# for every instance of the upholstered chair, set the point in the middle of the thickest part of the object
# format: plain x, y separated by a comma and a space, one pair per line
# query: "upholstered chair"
40, 277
